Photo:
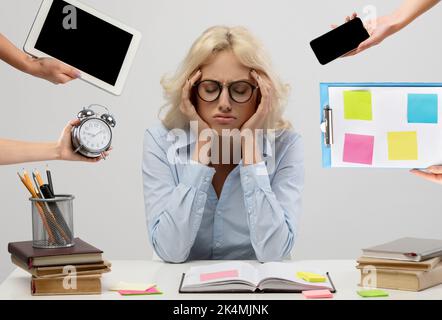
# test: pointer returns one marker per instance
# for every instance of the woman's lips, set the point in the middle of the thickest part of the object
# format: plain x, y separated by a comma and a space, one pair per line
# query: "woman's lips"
224, 119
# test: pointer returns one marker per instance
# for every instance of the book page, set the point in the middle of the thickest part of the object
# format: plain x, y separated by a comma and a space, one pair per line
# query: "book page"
221, 273
288, 271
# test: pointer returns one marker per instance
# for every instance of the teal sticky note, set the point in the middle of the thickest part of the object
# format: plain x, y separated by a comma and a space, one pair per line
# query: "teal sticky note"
372, 293
422, 108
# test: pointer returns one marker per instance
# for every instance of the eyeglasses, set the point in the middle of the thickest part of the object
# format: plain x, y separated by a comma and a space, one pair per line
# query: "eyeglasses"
239, 91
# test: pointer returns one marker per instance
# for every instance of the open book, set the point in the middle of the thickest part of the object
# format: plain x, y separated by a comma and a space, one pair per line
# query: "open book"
245, 277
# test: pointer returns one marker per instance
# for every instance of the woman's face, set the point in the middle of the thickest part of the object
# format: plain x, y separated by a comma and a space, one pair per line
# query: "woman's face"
237, 84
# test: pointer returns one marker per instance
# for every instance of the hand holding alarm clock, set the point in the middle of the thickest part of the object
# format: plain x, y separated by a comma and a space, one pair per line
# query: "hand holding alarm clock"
93, 136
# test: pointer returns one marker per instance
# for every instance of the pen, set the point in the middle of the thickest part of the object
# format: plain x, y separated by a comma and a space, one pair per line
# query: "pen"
48, 174
36, 188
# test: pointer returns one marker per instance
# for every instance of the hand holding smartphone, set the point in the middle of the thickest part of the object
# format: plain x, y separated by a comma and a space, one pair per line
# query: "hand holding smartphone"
339, 41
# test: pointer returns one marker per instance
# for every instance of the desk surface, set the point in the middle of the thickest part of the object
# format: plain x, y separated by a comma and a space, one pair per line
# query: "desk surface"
167, 277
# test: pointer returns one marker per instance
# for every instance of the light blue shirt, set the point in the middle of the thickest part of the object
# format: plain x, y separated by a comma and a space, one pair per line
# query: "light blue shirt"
256, 216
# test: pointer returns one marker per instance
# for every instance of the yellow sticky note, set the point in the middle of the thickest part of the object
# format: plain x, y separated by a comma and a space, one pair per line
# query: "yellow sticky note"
357, 105
311, 277
402, 145
131, 286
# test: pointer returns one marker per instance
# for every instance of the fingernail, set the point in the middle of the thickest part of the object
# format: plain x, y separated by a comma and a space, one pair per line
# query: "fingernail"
77, 74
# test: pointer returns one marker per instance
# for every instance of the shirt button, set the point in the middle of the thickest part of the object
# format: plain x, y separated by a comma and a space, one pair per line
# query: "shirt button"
218, 245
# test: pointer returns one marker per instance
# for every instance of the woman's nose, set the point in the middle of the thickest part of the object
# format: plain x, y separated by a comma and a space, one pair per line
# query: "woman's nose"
224, 101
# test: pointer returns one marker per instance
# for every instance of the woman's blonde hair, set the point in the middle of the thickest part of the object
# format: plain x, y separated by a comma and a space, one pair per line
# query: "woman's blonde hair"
249, 52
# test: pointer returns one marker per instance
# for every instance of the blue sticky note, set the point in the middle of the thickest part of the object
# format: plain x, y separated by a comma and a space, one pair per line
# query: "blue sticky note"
422, 108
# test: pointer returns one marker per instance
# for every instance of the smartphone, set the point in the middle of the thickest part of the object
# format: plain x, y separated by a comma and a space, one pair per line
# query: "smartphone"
339, 41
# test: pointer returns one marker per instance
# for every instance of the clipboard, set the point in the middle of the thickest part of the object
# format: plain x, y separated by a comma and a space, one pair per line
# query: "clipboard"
394, 119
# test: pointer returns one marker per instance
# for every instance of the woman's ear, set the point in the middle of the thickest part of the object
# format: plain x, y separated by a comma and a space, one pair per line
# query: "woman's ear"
258, 97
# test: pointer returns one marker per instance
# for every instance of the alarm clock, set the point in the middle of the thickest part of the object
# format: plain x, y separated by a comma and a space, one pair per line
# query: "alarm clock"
93, 135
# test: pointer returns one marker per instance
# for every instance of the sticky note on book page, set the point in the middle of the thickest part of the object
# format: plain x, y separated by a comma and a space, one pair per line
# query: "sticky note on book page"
219, 275
311, 277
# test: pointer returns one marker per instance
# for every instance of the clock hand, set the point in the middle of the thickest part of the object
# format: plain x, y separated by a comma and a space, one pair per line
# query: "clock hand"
100, 131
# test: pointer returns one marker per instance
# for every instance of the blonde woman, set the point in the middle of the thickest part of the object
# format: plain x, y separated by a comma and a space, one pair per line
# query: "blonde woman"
203, 200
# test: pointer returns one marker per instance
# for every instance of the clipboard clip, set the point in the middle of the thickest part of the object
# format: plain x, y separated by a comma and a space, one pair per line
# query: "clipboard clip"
327, 125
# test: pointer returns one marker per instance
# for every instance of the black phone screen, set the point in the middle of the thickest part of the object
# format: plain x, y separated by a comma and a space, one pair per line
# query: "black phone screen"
339, 41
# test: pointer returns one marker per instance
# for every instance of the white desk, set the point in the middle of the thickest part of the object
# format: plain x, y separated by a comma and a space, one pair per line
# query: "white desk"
167, 277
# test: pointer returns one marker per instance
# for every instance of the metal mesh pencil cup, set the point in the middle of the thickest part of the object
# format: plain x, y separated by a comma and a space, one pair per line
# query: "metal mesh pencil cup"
52, 222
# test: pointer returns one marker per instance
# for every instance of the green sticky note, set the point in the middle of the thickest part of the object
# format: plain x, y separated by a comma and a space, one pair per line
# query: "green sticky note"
402, 145
372, 293
357, 105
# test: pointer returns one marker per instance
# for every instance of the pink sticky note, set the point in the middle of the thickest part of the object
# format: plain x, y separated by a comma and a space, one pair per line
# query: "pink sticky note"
358, 148
218, 275
317, 294
152, 290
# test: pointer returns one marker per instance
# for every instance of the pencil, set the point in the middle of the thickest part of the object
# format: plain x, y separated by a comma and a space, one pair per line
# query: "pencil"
26, 177
39, 179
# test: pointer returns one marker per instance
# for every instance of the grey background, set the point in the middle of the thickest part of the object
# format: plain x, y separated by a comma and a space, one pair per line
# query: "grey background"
344, 209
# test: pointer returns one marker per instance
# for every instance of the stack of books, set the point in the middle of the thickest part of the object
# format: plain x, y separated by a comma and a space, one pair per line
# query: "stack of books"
61, 271
411, 264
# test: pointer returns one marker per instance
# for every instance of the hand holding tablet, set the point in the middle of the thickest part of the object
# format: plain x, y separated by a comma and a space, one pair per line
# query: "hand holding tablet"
52, 70
99, 47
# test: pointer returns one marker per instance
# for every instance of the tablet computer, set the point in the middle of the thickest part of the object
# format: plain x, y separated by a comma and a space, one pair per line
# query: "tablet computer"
100, 47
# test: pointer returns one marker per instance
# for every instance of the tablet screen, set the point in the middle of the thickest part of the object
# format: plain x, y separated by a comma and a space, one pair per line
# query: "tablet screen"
95, 46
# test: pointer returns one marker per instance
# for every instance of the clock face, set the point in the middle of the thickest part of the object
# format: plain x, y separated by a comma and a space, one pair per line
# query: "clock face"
95, 134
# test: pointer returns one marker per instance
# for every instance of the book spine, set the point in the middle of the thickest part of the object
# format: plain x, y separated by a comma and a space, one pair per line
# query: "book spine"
12, 249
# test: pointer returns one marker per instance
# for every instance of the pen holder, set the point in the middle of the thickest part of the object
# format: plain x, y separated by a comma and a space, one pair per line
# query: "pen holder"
52, 222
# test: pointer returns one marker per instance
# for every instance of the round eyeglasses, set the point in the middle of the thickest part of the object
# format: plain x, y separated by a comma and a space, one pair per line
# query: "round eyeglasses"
239, 91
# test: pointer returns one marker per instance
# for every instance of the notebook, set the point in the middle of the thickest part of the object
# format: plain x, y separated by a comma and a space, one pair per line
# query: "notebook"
390, 264
228, 277
81, 253
407, 249
88, 284
405, 279
58, 271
